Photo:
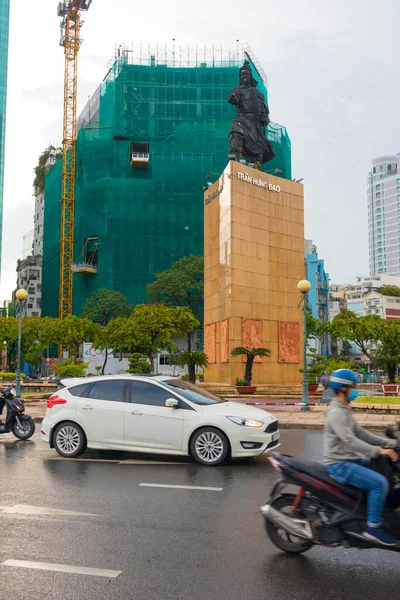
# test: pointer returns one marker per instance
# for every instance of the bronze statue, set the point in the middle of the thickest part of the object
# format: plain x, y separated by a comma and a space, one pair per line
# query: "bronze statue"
247, 134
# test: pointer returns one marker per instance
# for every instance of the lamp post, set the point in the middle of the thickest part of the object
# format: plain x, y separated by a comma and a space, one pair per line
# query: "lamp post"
5, 356
304, 287
21, 297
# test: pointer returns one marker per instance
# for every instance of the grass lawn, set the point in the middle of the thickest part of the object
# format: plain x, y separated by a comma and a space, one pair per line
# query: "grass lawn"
378, 400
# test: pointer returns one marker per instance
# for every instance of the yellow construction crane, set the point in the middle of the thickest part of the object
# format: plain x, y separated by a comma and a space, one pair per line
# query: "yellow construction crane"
71, 13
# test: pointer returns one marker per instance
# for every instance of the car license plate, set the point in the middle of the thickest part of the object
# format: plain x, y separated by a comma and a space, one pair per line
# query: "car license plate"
276, 436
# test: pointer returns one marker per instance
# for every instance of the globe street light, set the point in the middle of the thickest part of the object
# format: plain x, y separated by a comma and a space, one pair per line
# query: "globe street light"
21, 296
304, 287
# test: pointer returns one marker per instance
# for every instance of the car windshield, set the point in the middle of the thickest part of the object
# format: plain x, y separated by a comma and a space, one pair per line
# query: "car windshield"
191, 392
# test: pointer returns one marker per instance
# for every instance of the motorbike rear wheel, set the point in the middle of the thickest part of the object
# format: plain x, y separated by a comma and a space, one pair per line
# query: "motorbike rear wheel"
24, 430
279, 537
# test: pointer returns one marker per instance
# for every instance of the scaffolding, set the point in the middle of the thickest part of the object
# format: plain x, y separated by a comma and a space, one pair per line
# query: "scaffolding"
167, 107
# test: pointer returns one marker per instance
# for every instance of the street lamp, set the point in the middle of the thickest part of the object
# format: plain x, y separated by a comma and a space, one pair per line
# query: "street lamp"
21, 296
304, 287
5, 356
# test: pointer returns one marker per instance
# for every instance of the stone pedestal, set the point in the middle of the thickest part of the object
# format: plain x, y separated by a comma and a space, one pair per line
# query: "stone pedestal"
254, 258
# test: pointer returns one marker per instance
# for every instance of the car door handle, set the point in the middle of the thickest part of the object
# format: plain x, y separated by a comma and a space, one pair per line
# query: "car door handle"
87, 407
136, 412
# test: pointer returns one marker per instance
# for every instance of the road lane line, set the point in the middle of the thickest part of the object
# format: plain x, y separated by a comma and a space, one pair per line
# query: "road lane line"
25, 509
41, 566
181, 487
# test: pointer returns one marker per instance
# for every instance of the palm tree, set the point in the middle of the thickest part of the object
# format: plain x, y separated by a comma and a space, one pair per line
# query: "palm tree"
250, 354
191, 360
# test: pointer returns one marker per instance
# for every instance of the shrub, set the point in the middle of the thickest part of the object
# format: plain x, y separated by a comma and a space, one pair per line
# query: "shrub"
186, 377
10, 376
139, 364
200, 376
240, 382
69, 368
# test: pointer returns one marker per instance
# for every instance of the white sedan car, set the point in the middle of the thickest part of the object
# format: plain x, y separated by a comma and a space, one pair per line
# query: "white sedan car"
159, 415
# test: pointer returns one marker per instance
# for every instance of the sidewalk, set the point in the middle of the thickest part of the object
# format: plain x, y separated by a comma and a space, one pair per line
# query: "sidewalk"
295, 418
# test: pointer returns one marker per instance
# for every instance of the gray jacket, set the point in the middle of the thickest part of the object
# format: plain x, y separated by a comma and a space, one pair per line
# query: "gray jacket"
345, 439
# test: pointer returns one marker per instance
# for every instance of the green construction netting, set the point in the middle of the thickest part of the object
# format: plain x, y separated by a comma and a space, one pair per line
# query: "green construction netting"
144, 219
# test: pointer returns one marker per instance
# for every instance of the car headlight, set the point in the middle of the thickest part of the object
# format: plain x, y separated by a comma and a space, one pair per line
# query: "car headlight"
246, 422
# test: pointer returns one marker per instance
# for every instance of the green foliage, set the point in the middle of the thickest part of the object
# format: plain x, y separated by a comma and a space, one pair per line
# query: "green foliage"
313, 326
105, 305
149, 329
70, 368
40, 170
360, 330
390, 290
240, 382
138, 364
73, 331
186, 377
250, 354
98, 369
10, 376
387, 356
333, 363
181, 285
192, 360
200, 376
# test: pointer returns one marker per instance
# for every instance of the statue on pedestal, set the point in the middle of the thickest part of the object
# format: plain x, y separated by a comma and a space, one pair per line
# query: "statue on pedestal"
247, 134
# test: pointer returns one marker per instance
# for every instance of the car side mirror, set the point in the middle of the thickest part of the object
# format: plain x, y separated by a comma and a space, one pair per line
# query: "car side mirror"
172, 403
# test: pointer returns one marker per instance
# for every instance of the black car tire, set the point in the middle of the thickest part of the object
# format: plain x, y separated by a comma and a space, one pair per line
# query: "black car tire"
209, 446
69, 440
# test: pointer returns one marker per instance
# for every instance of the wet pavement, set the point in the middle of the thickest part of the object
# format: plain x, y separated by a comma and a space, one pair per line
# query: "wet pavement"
144, 542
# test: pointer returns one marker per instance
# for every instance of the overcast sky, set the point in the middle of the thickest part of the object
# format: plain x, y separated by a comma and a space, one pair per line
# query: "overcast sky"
333, 81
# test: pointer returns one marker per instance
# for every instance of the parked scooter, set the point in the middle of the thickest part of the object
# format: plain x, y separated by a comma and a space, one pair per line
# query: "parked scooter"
21, 425
324, 512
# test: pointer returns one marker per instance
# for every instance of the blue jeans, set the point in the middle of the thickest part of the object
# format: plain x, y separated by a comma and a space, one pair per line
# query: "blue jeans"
354, 473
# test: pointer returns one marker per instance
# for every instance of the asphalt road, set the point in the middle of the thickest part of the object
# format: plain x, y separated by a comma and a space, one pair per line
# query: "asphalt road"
162, 543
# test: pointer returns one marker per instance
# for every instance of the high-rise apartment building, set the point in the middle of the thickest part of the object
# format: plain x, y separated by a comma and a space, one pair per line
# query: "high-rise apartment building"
4, 23
384, 215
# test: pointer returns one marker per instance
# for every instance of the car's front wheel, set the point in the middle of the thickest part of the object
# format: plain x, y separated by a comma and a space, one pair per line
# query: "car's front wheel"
69, 440
209, 446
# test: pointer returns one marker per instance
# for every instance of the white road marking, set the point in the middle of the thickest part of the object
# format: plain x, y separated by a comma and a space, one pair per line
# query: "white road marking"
25, 509
41, 566
181, 487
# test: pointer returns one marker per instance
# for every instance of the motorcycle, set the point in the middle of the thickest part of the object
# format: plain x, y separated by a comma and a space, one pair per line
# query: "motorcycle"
324, 512
21, 425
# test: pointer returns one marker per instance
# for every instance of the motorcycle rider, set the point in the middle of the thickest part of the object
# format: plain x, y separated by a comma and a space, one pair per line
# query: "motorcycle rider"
348, 449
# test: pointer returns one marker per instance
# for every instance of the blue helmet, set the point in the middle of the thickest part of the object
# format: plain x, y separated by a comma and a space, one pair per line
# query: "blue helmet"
342, 377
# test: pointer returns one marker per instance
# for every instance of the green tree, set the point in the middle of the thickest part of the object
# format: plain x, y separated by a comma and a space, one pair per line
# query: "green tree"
149, 329
387, 356
73, 331
360, 330
40, 169
181, 285
250, 354
102, 307
346, 349
390, 290
314, 327
191, 360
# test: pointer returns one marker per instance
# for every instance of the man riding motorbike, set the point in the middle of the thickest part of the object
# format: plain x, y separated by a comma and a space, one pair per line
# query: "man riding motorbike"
348, 450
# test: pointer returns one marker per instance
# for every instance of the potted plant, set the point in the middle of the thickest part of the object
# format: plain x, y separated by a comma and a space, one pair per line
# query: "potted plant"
243, 386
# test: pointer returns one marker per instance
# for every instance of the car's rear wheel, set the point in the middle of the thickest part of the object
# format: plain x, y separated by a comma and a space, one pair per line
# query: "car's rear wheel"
69, 440
209, 446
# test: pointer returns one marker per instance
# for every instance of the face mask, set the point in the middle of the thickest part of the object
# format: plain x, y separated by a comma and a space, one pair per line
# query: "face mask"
353, 395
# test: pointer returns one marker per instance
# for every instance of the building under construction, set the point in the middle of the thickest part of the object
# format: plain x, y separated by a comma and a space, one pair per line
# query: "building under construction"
151, 137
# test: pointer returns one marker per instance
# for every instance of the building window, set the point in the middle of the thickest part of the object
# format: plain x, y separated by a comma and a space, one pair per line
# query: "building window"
389, 167
378, 195
381, 168
374, 170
